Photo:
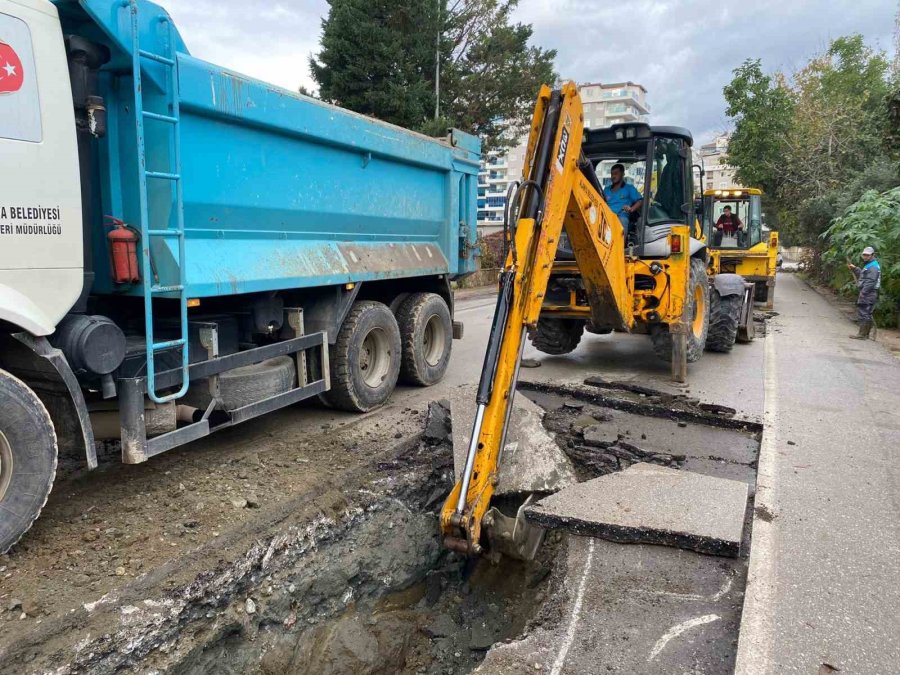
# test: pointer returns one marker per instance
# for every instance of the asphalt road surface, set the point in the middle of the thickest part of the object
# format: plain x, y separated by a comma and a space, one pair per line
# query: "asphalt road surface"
824, 559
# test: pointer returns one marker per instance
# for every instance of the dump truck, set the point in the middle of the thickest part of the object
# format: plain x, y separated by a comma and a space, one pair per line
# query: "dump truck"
751, 250
183, 248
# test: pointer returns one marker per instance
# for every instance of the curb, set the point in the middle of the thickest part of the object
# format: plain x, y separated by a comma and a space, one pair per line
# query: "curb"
755, 632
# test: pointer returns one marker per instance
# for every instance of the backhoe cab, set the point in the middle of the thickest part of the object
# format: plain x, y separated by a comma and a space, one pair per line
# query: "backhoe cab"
652, 282
750, 251
657, 164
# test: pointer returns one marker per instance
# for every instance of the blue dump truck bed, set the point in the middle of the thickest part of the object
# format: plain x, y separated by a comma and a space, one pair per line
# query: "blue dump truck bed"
215, 248
278, 190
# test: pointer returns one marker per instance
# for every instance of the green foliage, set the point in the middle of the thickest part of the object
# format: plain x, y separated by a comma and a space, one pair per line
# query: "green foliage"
491, 75
817, 140
762, 108
873, 220
816, 213
378, 58
492, 250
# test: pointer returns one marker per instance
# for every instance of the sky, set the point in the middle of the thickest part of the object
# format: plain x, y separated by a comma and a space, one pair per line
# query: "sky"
682, 51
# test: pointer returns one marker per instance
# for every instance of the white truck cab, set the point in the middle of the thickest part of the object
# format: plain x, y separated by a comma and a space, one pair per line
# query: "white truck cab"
41, 256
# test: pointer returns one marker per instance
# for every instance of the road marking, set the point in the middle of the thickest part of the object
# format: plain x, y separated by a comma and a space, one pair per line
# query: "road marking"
461, 310
576, 613
677, 630
690, 597
755, 637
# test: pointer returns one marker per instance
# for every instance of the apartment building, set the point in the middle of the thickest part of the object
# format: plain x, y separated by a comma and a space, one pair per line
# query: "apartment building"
604, 105
718, 174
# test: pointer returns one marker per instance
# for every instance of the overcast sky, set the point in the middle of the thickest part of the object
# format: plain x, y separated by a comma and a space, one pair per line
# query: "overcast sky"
682, 51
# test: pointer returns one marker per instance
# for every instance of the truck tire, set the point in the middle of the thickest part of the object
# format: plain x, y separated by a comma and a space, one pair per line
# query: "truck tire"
364, 361
556, 336
724, 316
697, 308
426, 336
246, 385
28, 455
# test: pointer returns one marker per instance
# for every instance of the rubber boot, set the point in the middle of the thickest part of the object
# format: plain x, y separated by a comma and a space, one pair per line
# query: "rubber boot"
864, 328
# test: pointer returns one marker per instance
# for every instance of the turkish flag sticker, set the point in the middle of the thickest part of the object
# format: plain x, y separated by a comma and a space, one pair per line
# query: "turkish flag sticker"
11, 73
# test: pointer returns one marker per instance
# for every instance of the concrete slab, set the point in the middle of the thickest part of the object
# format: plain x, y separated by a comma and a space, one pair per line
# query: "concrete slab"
532, 461
650, 504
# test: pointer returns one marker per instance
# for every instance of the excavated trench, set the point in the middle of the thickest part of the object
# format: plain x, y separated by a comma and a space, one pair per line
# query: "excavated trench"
359, 582
378, 594
383, 597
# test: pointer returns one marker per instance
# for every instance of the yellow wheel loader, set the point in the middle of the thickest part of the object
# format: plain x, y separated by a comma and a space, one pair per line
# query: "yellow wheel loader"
750, 250
574, 264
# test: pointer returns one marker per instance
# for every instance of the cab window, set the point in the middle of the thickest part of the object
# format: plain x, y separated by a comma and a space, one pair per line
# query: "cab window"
667, 184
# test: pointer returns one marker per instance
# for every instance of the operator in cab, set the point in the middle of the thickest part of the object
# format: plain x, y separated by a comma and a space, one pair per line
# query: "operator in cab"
623, 198
730, 224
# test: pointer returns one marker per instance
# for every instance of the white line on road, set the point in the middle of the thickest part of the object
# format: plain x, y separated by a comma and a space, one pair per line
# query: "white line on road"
576, 613
677, 630
691, 597
462, 310
755, 637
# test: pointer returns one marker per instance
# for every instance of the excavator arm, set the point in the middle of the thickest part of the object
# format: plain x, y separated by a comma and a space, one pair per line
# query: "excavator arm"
559, 189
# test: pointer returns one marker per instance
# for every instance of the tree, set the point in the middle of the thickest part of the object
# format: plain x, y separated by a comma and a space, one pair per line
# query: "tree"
806, 139
378, 58
491, 75
762, 109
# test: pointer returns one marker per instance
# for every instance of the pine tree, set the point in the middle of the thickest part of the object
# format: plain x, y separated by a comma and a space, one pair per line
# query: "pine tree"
378, 57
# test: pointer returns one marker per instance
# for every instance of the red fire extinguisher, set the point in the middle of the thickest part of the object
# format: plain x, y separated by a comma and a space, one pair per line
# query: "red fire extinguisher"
123, 241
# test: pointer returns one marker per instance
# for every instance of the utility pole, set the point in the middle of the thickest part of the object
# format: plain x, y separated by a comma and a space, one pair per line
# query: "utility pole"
437, 63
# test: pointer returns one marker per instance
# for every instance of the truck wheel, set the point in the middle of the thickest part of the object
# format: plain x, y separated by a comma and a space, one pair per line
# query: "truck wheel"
247, 384
426, 333
697, 310
724, 316
556, 336
364, 361
28, 455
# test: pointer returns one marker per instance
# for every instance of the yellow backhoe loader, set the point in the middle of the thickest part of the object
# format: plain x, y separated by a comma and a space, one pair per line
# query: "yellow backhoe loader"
649, 278
750, 251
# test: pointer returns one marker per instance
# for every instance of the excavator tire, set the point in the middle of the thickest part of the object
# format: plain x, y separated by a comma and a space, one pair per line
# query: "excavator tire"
698, 286
28, 456
556, 336
724, 316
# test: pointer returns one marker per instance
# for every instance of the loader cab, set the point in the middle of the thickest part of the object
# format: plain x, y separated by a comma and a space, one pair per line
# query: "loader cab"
657, 162
746, 203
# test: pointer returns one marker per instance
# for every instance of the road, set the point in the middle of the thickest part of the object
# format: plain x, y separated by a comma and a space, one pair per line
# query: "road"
824, 574
823, 564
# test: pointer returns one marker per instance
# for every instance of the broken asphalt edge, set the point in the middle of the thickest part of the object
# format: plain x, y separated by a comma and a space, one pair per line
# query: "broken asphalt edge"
622, 534
584, 393
302, 509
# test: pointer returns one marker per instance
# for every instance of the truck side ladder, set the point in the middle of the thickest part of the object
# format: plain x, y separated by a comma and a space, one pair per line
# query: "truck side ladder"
173, 175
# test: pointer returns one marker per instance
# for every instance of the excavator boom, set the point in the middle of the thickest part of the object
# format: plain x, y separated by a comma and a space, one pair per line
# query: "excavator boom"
559, 189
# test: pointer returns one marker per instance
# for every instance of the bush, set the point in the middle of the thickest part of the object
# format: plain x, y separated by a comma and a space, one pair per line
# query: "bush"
873, 220
491, 246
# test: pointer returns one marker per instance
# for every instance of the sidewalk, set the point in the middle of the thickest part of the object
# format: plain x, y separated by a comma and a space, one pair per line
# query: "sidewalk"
824, 582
